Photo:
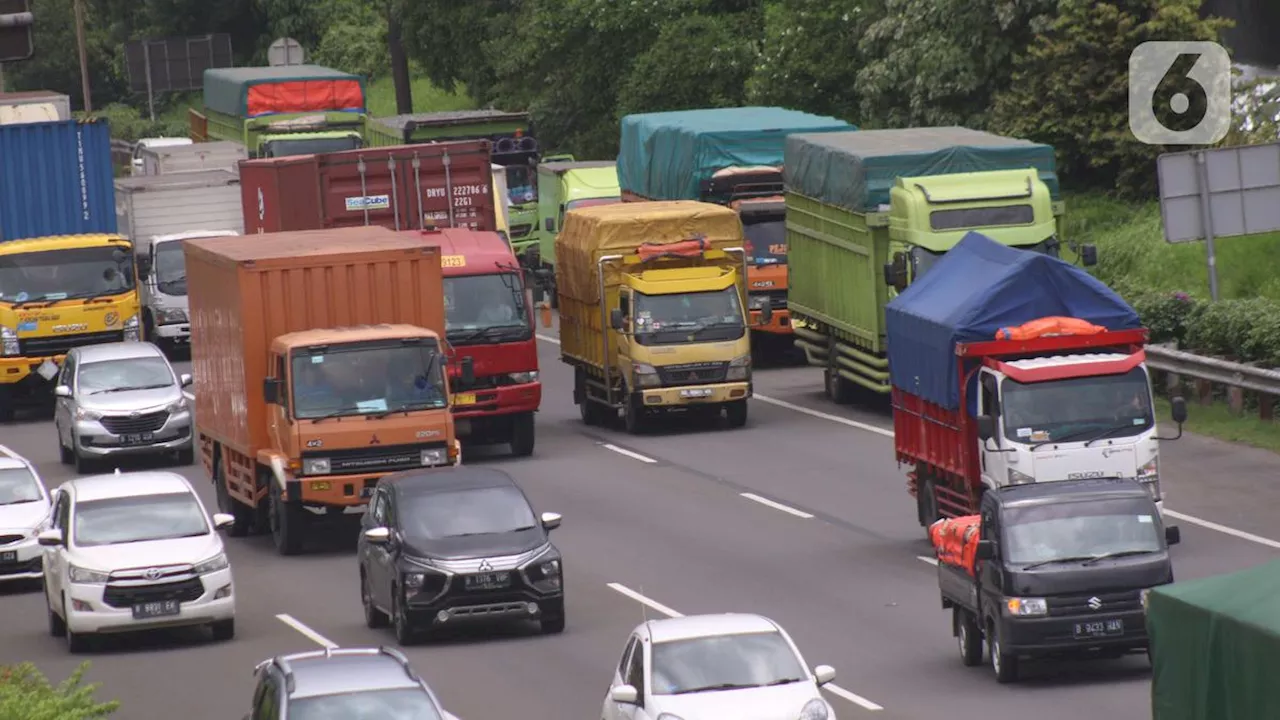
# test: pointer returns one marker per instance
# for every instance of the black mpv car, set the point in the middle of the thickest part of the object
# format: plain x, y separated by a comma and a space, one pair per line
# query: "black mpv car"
446, 546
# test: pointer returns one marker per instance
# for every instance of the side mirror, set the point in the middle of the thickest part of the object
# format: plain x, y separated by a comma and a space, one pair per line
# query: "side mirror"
1178, 408
624, 695
986, 427
467, 371
615, 319
50, 538
986, 550
271, 391
144, 266
895, 273
549, 224
62, 391
222, 521
1172, 535
377, 536
1088, 255
824, 674
888, 274
766, 315
551, 521
185, 379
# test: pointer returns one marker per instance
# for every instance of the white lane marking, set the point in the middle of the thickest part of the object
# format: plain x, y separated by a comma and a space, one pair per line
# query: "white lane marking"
649, 602
777, 505
628, 453
547, 338
931, 561
1223, 529
307, 632
822, 416
189, 395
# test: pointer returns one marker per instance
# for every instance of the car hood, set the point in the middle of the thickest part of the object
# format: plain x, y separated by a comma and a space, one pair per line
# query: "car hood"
155, 553
131, 400
768, 703
476, 546
23, 516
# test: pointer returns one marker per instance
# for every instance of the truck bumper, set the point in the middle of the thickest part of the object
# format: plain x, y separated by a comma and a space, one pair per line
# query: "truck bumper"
780, 324
690, 395
1052, 636
176, 334
339, 491
505, 400
19, 378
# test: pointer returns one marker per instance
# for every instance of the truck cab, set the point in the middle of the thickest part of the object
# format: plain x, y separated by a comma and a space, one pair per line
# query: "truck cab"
162, 274
1058, 570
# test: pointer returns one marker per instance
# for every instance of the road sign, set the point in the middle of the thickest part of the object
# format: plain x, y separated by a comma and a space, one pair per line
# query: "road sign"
286, 51
175, 63
16, 20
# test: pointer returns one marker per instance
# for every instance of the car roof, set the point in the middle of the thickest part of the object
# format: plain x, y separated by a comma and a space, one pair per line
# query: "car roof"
711, 625
335, 672
128, 350
127, 484
420, 482
1045, 493
10, 459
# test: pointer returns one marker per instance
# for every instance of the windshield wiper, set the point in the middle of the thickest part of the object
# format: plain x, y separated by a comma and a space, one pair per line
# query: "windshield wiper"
783, 681
1105, 433
131, 387
721, 686
405, 407
1118, 554
487, 333
1065, 438
340, 411
90, 297
19, 502
1073, 558
33, 303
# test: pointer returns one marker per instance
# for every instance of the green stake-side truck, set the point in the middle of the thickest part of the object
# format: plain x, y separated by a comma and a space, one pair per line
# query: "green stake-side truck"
282, 111
563, 185
868, 211
514, 147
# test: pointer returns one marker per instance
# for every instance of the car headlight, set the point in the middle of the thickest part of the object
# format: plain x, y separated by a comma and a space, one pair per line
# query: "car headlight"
82, 414
755, 302
739, 368
177, 407
524, 377
170, 316
86, 576
1023, 607
544, 574
315, 466
434, 456
815, 709
1018, 478
132, 328
1143, 594
645, 375
414, 579
213, 564
9, 340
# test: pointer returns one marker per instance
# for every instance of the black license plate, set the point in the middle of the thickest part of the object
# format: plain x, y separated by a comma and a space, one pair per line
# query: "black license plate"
9, 556
137, 439
159, 608
488, 581
1100, 628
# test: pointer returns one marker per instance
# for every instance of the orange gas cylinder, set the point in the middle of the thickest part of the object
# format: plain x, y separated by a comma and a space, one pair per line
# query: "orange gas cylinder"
956, 540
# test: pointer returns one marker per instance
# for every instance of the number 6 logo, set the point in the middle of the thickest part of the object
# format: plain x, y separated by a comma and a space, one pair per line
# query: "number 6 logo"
1188, 84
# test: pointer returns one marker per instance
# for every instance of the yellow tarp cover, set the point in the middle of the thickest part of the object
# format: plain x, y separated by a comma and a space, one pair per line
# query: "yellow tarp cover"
593, 232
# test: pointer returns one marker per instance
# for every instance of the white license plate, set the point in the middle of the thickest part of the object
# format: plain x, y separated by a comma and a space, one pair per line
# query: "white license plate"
696, 393
1100, 628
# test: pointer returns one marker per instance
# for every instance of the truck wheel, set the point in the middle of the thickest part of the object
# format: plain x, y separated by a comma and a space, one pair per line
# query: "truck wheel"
522, 435
736, 413
7, 411
926, 503
1004, 665
633, 414
287, 523
586, 408
229, 505
838, 389
969, 637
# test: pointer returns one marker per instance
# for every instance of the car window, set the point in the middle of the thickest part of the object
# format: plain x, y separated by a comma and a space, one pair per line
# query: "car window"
62, 512
68, 370
268, 707
375, 509
635, 673
482, 511
741, 660
118, 375
401, 704
137, 519
19, 485
623, 664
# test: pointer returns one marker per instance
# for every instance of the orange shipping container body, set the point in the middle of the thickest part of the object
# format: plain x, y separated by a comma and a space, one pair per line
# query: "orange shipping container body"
245, 291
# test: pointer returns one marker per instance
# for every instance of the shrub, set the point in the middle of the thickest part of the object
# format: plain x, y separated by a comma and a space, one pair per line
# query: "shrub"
1165, 315
1240, 330
26, 694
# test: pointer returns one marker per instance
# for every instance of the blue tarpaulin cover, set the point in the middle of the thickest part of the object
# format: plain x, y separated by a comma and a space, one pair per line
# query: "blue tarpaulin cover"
977, 288
668, 155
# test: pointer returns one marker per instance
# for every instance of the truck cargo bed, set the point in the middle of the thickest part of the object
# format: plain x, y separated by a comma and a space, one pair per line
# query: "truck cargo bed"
958, 586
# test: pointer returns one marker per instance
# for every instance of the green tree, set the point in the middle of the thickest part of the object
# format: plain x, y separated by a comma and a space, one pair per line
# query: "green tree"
27, 694
450, 40
721, 53
56, 65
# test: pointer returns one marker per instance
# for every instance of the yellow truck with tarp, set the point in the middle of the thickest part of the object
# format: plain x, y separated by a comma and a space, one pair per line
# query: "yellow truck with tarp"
653, 316
57, 293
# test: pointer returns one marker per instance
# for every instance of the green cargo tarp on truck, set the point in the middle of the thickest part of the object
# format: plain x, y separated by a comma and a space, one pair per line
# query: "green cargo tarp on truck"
670, 155
1216, 647
493, 125
254, 91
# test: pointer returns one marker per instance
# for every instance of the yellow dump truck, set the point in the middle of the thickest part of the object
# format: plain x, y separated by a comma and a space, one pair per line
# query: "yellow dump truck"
652, 310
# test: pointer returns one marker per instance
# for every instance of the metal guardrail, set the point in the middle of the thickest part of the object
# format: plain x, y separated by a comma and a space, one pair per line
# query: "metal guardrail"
1264, 381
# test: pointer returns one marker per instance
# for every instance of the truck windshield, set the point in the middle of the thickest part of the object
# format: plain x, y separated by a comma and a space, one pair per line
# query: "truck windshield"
923, 260
766, 239
1084, 529
688, 317
311, 146
1077, 409
365, 378
170, 268
521, 184
54, 275
485, 308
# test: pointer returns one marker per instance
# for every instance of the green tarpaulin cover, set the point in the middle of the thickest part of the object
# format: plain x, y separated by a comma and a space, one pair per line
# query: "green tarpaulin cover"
668, 155
1216, 647
855, 170
226, 90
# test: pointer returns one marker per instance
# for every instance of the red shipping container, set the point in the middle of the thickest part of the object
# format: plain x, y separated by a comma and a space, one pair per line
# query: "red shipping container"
405, 187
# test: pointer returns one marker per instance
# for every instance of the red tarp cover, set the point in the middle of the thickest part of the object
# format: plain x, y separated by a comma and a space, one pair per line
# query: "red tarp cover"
295, 96
956, 540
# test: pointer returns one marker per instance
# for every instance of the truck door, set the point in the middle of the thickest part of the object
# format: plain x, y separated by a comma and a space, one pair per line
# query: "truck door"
990, 577
627, 305
995, 463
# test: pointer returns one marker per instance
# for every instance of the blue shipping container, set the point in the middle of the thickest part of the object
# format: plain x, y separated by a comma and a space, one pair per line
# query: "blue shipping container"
977, 288
56, 179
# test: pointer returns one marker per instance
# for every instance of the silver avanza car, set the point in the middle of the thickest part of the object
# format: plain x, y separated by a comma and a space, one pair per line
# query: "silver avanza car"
120, 399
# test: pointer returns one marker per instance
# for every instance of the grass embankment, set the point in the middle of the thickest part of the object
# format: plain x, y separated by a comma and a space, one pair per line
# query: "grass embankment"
1133, 253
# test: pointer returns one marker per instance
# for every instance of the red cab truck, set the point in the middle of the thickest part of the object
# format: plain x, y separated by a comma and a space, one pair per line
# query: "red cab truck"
1010, 367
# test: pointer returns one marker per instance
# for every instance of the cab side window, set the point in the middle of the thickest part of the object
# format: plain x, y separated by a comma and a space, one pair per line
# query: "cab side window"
625, 664
281, 369
988, 395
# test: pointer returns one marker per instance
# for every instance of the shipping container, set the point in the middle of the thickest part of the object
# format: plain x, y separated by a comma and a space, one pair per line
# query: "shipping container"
151, 205
56, 179
403, 188
34, 106
222, 155
246, 291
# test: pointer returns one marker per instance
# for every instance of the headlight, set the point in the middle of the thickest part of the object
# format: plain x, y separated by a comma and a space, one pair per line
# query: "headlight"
815, 709
544, 574
1017, 478
170, 316
131, 328
755, 302
315, 466
414, 579
177, 407
435, 456
82, 414
9, 339
739, 368
213, 564
524, 377
1143, 594
645, 375
85, 576
1022, 607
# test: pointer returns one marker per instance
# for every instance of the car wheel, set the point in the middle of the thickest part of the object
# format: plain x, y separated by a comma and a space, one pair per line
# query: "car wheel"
65, 455
76, 642
552, 621
1004, 665
633, 414
522, 435
57, 628
244, 516
736, 412
373, 617
403, 628
969, 638
185, 457
84, 465
223, 630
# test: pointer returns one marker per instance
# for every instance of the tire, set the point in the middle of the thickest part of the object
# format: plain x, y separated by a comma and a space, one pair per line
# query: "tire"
633, 414
969, 638
1004, 665
926, 503
84, 465
736, 412
522, 435
76, 642
837, 388
552, 621
288, 523
65, 455
404, 630
57, 626
7, 410
223, 630
229, 505
185, 457
373, 617
586, 409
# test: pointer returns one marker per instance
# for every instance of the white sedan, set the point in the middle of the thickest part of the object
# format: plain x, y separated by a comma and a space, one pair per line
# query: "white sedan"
712, 667
134, 551
24, 511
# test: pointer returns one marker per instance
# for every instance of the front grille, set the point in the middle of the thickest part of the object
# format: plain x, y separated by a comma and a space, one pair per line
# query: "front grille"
10, 539
125, 596
131, 424
61, 344
376, 458
692, 373
1111, 602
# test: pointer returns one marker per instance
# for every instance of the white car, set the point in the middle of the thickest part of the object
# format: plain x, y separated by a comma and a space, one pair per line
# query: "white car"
24, 512
713, 667
134, 551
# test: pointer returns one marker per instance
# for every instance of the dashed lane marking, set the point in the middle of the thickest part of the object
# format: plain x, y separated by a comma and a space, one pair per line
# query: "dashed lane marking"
307, 632
776, 505
628, 453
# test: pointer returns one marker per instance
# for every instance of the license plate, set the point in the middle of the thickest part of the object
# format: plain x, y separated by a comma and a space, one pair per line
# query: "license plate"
488, 581
464, 399
137, 439
159, 608
1101, 628
9, 556
696, 393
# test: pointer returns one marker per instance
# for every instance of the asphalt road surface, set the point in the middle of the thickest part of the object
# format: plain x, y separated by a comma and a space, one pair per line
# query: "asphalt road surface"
802, 516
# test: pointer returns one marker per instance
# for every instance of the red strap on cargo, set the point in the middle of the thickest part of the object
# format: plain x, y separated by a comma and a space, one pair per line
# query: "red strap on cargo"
685, 249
